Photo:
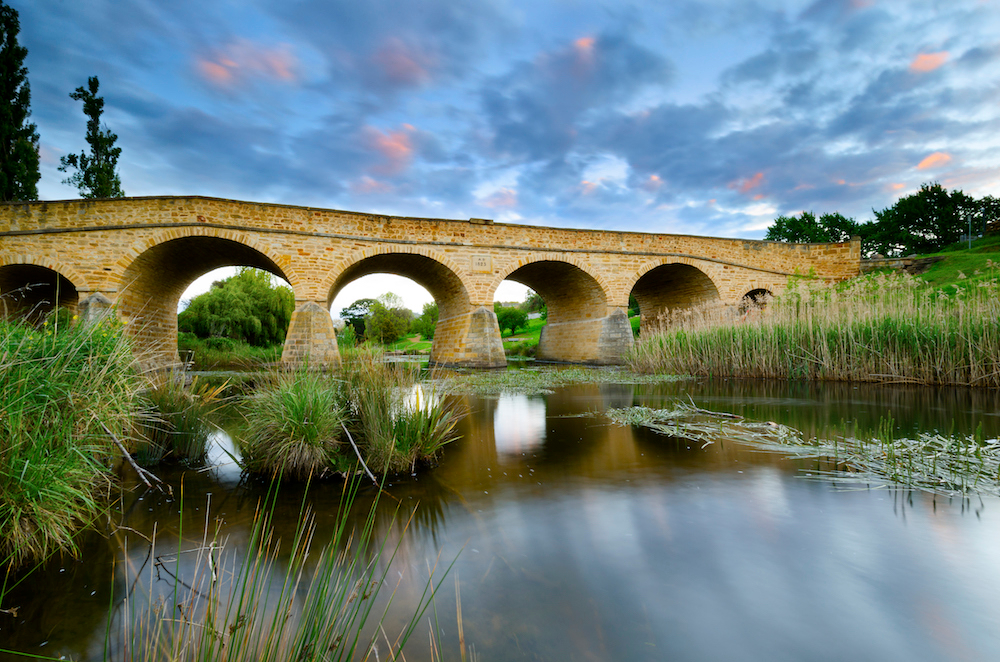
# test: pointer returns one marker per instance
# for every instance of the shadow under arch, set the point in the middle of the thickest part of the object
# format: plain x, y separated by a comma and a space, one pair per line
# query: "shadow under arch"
465, 334
31, 292
579, 328
152, 286
755, 299
672, 286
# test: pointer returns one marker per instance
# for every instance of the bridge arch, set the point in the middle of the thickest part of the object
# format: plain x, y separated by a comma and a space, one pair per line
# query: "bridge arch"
466, 333
582, 326
32, 287
571, 291
671, 284
158, 271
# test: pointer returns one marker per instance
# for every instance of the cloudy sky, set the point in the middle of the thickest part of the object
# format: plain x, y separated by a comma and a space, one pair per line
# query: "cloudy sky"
698, 117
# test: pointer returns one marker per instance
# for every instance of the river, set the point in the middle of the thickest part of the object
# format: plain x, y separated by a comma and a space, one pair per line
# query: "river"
574, 538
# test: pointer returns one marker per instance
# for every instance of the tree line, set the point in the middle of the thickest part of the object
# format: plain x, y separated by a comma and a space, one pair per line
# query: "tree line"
923, 222
93, 172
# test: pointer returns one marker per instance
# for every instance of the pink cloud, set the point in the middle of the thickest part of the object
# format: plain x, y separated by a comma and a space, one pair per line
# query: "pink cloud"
934, 160
243, 61
403, 64
366, 186
503, 198
747, 185
395, 148
925, 62
586, 188
653, 183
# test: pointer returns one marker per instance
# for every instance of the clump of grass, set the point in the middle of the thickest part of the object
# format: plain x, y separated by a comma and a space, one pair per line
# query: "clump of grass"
395, 431
875, 328
307, 423
177, 423
294, 426
64, 389
941, 464
417, 429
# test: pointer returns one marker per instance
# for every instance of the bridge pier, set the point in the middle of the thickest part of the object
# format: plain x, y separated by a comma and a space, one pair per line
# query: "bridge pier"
311, 338
602, 341
469, 340
95, 307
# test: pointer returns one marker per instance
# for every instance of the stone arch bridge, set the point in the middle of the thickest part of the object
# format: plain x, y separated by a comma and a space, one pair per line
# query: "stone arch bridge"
136, 256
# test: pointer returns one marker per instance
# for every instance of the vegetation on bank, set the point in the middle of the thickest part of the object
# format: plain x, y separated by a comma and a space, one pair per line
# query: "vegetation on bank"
887, 327
68, 392
216, 353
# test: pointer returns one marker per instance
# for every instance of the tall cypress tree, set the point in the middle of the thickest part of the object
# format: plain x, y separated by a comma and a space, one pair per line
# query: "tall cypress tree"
96, 173
19, 173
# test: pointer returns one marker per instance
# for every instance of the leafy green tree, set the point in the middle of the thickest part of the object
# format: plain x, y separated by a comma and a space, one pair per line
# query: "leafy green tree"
96, 173
923, 222
246, 307
19, 172
427, 321
807, 229
511, 318
386, 325
356, 314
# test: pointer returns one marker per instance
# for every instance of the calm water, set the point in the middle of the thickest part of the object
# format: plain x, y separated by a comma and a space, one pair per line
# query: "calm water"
577, 539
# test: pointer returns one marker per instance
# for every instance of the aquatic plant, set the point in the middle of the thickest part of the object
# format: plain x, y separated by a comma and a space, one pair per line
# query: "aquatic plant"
177, 422
539, 380
941, 464
294, 426
276, 600
67, 392
876, 328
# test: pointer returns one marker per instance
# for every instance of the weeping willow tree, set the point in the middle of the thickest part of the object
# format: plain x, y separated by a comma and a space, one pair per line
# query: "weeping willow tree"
247, 307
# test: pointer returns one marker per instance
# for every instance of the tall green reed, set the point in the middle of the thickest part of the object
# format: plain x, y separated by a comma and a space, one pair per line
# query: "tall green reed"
876, 328
276, 600
177, 423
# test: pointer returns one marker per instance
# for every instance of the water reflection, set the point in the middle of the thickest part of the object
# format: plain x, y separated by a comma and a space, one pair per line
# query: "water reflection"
518, 424
576, 538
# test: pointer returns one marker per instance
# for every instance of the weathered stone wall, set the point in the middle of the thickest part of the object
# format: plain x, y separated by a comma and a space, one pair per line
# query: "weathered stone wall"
141, 253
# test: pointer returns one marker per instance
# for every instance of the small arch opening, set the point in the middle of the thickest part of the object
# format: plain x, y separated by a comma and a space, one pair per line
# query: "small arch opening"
31, 293
671, 289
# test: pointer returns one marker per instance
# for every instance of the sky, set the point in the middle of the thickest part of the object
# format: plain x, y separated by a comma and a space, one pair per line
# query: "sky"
707, 117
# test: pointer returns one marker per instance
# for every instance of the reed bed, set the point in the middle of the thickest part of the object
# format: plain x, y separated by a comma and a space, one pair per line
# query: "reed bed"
67, 391
950, 465
275, 601
875, 328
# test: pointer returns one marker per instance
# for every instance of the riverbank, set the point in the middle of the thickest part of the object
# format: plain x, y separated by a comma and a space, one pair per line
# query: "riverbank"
884, 327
